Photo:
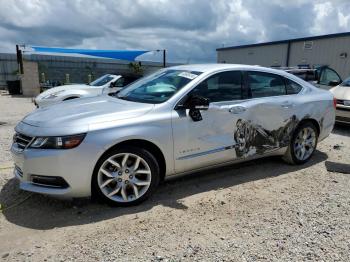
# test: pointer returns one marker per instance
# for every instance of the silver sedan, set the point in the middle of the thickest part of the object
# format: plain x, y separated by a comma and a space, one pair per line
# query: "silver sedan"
178, 120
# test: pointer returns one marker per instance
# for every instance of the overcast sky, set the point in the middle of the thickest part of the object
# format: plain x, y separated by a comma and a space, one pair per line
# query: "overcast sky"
190, 30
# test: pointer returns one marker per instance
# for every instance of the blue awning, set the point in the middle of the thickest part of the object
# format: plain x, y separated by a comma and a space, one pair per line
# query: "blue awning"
129, 55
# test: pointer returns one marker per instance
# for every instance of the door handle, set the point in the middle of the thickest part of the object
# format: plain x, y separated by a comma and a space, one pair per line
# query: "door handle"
237, 109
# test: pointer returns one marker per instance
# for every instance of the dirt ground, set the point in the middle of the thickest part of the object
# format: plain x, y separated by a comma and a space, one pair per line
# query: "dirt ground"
264, 210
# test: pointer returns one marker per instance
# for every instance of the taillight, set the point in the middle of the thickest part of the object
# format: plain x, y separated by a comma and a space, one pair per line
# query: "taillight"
334, 102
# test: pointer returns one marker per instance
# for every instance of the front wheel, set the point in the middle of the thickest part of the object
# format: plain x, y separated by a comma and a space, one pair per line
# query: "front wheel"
126, 176
302, 144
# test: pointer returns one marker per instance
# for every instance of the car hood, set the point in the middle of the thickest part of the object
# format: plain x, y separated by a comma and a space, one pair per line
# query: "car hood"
61, 88
341, 92
85, 112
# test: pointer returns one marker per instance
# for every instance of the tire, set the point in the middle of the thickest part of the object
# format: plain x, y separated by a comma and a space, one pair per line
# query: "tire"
120, 182
293, 155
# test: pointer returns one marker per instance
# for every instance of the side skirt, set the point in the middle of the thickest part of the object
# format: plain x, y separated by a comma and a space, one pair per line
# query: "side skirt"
277, 152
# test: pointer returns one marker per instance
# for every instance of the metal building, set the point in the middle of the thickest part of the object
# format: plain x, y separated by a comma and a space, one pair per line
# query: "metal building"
332, 50
56, 67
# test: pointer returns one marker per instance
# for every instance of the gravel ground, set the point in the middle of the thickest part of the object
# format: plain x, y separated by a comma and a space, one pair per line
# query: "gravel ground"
263, 210
12, 110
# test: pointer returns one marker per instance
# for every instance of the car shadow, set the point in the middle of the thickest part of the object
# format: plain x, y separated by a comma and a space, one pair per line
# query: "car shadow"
37, 211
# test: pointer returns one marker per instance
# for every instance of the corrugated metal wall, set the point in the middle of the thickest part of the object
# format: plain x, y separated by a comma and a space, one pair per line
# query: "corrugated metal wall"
269, 55
78, 68
8, 68
323, 52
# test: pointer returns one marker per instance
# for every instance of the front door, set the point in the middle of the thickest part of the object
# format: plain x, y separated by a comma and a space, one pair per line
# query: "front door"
209, 141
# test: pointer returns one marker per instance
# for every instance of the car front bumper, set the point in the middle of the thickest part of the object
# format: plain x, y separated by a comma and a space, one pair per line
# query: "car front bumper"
72, 168
342, 114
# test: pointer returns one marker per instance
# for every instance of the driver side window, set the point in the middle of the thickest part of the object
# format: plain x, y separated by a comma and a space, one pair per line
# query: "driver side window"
224, 86
119, 82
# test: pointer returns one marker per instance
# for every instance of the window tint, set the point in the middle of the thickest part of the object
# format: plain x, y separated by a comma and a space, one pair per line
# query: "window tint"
124, 81
102, 80
292, 87
225, 86
120, 82
327, 76
265, 84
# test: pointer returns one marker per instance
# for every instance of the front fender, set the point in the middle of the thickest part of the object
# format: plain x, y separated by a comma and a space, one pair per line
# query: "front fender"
159, 134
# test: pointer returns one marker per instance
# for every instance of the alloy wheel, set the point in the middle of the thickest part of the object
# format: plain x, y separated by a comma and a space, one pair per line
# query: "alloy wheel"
124, 177
305, 143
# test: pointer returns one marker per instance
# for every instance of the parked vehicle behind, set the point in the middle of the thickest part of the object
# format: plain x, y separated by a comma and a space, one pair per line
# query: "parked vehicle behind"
323, 77
342, 95
105, 84
177, 120
49, 84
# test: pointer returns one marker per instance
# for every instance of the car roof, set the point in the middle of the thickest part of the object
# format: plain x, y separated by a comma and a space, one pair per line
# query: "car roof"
208, 68
112, 75
213, 68
301, 70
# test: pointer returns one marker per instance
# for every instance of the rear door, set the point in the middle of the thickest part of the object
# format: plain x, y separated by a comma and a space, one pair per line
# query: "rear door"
270, 115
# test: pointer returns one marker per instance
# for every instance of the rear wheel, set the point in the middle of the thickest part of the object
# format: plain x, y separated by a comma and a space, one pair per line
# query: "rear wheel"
302, 144
126, 176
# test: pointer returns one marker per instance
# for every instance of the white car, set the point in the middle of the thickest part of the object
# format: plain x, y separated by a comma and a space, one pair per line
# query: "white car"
342, 94
103, 85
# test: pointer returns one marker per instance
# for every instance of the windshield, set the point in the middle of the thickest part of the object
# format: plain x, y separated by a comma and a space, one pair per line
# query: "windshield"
102, 80
346, 82
158, 87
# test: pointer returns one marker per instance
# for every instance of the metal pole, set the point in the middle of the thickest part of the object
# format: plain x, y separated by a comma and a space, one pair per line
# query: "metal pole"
164, 58
19, 59
288, 54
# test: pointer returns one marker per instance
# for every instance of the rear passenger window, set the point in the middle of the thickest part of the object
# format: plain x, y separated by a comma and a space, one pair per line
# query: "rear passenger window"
225, 86
292, 87
265, 84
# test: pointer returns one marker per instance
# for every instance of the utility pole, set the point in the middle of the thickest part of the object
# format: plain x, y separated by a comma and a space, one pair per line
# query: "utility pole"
19, 59
164, 58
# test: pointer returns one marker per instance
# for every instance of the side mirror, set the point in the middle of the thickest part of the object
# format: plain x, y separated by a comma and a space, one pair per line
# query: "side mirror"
112, 84
333, 83
197, 102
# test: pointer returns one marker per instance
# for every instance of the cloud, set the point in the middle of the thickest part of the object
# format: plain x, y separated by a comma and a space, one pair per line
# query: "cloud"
190, 30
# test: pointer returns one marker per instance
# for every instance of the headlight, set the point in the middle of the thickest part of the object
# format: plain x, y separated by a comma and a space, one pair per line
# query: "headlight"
53, 95
58, 142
